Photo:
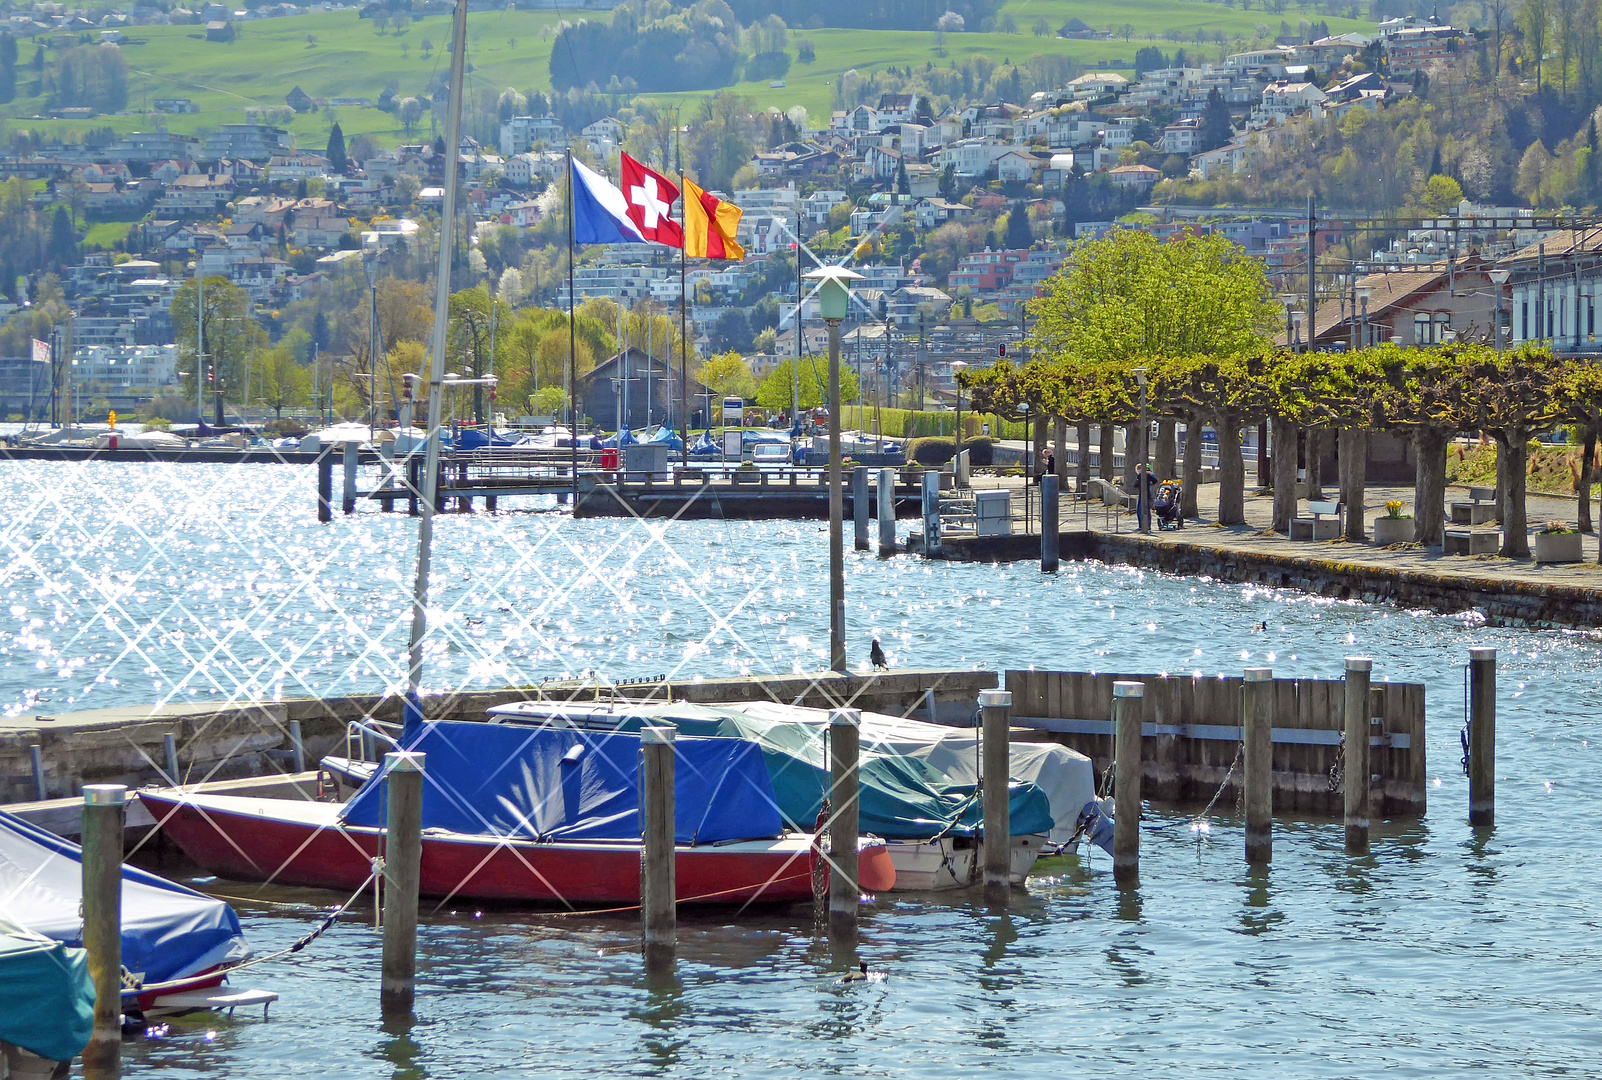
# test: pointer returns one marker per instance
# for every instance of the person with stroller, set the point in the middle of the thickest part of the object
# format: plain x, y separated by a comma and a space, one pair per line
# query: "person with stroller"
1167, 506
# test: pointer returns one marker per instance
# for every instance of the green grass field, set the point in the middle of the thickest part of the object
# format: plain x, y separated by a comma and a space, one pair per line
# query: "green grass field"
337, 55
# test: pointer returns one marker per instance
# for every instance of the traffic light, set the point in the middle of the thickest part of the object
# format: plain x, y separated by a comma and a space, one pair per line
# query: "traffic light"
1001, 350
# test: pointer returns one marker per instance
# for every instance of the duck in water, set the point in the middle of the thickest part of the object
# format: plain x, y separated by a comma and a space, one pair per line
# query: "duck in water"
860, 975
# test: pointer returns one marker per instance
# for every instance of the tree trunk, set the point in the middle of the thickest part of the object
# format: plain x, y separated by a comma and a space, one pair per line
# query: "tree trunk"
1429, 486
1131, 456
1587, 467
1501, 482
1038, 465
1165, 449
1515, 530
1284, 475
1082, 467
1192, 475
1315, 464
1231, 472
1106, 451
1354, 479
1059, 439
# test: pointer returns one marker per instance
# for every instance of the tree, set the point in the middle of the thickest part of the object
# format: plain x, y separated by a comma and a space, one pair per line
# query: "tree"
63, 239
903, 185
411, 111
281, 381
728, 375
548, 401
1217, 126
231, 336
1440, 195
8, 69
732, 332
336, 149
1019, 235
774, 393
1535, 19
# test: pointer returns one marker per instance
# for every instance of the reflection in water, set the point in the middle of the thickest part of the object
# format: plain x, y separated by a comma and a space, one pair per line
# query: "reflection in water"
1256, 917
1481, 864
400, 1050
1130, 905
661, 1012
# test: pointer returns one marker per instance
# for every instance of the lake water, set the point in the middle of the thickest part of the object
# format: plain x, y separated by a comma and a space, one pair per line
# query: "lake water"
1442, 954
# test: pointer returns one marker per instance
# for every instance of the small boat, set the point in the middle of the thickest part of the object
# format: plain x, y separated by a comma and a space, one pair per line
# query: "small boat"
556, 820
174, 940
47, 1003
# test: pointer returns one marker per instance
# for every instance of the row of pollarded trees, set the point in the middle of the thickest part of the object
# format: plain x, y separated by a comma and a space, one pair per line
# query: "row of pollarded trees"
1193, 316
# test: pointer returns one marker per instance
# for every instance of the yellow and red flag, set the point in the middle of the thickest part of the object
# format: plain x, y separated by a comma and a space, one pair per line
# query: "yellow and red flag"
709, 225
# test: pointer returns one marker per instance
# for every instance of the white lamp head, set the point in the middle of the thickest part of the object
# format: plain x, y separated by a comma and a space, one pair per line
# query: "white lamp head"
834, 291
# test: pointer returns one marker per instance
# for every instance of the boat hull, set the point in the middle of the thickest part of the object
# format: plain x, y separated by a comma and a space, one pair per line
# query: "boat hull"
935, 865
293, 843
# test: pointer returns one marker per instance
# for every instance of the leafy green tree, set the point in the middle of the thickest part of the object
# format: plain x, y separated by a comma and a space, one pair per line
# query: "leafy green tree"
1217, 126
1019, 234
728, 375
63, 239
774, 393
231, 335
1440, 195
281, 382
8, 69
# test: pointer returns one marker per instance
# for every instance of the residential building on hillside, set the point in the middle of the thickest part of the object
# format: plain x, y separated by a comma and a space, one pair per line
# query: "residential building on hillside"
520, 134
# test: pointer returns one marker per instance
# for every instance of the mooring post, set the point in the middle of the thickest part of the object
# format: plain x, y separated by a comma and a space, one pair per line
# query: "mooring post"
995, 707
103, 806
169, 744
403, 862
1128, 700
1482, 737
36, 757
1257, 703
658, 883
931, 513
887, 511
297, 747
348, 502
1048, 523
1355, 767
386, 454
414, 483
325, 485
844, 896
859, 505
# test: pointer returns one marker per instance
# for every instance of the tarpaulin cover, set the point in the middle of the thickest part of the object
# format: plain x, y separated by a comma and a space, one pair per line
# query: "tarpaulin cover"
168, 931
902, 795
562, 784
47, 1001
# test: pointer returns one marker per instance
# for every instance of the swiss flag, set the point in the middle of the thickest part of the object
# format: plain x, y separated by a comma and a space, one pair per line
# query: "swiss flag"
650, 197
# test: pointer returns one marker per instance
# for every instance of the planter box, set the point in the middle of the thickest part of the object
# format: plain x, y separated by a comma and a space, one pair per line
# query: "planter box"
1557, 547
1389, 530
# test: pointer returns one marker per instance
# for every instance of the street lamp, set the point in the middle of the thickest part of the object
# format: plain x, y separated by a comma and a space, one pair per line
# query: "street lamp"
1498, 279
834, 303
1028, 454
957, 368
1142, 481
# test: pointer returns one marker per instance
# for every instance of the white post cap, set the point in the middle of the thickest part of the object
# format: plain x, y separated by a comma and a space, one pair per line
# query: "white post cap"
1482, 653
1359, 663
1259, 674
845, 718
1129, 689
404, 761
659, 735
105, 795
995, 699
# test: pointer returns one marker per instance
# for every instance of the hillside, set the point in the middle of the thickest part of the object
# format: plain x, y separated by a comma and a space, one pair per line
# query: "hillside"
337, 55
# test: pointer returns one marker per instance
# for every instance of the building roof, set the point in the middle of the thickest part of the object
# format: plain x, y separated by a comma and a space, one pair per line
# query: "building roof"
1386, 292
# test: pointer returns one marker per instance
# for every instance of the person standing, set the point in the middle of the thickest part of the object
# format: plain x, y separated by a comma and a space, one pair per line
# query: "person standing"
1145, 482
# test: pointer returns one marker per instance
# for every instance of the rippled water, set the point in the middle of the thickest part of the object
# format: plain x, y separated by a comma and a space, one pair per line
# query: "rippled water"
1443, 953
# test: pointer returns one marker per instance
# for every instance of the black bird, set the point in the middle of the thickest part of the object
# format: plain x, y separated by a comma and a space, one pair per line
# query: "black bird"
876, 655
860, 975
1261, 627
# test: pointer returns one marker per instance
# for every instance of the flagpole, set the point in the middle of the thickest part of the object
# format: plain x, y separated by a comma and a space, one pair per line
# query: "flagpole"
684, 334
572, 338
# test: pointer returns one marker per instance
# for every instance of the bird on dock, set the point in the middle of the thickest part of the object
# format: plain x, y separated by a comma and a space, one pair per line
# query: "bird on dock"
876, 655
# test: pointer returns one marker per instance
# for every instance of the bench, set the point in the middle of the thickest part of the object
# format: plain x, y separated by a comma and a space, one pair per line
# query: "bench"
1468, 542
1480, 509
1325, 523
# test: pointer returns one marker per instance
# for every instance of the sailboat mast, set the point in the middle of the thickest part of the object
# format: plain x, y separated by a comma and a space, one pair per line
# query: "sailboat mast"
436, 367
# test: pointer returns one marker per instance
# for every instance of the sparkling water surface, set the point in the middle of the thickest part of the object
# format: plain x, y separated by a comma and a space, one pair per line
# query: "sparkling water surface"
1443, 954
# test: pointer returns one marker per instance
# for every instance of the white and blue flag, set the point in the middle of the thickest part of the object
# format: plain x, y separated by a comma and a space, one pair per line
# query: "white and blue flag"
600, 213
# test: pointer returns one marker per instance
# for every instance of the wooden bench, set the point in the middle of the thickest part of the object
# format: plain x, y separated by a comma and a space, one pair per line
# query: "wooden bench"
1325, 523
1480, 509
1469, 542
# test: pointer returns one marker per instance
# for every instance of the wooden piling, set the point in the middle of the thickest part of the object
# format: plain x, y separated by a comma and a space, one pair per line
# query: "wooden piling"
1355, 768
103, 806
414, 483
1257, 707
1482, 737
657, 873
859, 505
297, 747
386, 454
996, 707
887, 511
348, 500
1048, 523
1127, 706
403, 860
169, 746
36, 758
844, 895
325, 485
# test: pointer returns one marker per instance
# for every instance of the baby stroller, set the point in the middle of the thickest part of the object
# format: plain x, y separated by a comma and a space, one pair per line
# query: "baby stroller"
1167, 507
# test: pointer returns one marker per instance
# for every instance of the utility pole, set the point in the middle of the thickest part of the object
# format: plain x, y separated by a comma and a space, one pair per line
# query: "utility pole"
1312, 276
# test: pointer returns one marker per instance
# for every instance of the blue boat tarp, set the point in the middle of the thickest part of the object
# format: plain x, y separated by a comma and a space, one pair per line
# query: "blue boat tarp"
610, 442
706, 446
47, 1001
666, 436
563, 784
168, 931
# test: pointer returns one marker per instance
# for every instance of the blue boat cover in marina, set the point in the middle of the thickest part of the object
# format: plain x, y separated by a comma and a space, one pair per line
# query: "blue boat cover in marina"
47, 1001
565, 784
168, 931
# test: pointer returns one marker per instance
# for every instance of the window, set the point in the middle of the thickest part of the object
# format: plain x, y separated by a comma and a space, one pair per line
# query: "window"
1421, 329
1524, 321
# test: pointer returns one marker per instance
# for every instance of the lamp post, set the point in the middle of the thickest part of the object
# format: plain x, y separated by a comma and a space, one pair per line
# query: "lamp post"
1363, 293
1498, 279
957, 368
834, 304
1141, 481
1028, 454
